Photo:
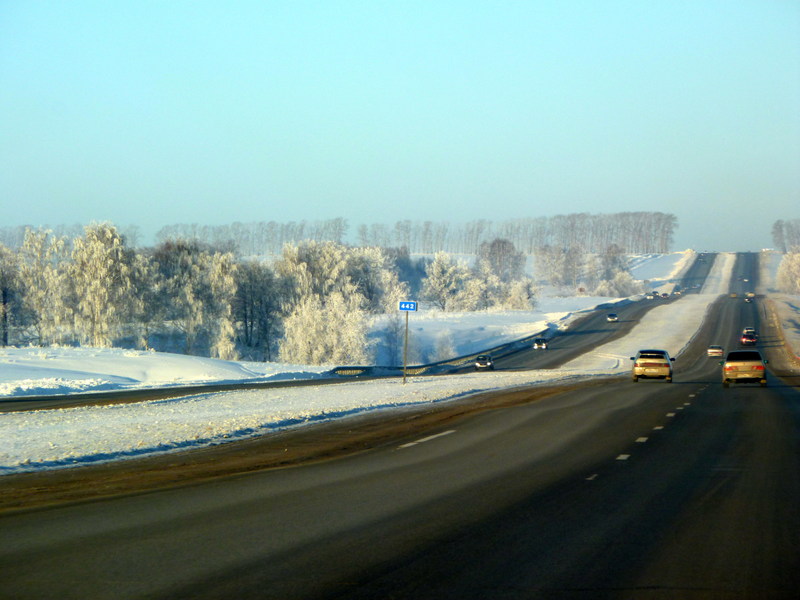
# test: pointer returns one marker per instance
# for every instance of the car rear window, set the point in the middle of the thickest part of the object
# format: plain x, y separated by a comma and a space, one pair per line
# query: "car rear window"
651, 355
741, 355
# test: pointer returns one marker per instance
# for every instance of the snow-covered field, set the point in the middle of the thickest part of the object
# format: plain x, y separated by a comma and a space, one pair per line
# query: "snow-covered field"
46, 439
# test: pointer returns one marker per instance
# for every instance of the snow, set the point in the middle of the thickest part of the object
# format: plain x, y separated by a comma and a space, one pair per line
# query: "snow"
47, 439
63, 370
661, 269
787, 306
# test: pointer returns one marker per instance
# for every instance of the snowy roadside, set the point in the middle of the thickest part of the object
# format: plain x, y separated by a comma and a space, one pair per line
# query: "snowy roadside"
786, 306
37, 440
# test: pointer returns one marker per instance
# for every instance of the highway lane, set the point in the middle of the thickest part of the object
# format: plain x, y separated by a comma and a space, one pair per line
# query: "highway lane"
618, 490
593, 330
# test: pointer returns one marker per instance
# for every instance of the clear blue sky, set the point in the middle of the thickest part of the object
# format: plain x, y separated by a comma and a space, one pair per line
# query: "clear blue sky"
159, 112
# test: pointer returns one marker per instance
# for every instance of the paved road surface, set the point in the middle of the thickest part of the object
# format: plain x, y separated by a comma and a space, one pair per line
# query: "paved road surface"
619, 490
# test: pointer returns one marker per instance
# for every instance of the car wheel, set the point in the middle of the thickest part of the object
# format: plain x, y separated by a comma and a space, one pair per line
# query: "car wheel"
635, 379
726, 384
763, 383
669, 379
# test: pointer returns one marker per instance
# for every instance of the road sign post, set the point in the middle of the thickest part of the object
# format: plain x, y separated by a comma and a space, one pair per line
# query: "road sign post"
406, 306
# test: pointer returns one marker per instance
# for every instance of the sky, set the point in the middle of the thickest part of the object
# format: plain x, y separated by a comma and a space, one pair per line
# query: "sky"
153, 113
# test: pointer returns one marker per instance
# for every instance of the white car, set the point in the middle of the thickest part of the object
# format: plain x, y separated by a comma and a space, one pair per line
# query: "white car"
612, 317
715, 351
540, 344
656, 364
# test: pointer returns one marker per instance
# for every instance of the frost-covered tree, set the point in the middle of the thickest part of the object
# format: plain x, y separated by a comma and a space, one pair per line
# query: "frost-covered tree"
518, 295
219, 309
314, 268
329, 332
445, 346
257, 309
327, 302
183, 265
445, 280
503, 259
147, 305
42, 277
372, 271
100, 277
788, 276
484, 290
560, 266
613, 260
621, 285
9, 290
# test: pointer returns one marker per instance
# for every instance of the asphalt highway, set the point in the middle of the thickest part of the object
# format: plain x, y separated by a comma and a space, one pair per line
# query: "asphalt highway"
617, 490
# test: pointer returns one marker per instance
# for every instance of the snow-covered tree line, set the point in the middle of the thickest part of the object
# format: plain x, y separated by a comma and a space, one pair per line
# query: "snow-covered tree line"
788, 276
314, 304
601, 274
96, 290
634, 232
786, 234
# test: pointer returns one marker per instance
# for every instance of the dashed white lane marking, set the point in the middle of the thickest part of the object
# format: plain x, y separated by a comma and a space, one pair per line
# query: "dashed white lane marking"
623, 457
641, 440
591, 477
658, 427
427, 439
679, 408
670, 415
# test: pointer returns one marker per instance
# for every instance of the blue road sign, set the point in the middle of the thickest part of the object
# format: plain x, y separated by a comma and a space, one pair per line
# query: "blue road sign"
408, 305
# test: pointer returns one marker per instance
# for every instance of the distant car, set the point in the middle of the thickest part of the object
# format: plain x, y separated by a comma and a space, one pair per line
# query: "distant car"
748, 300
484, 362
750, 294
655, 364
540, 344
665, 295
715, 351
742, 366
750, 331
734, 295
748, 339
650, 296
612, 317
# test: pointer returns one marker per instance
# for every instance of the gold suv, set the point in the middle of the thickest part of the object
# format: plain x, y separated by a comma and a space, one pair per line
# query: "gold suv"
652, 363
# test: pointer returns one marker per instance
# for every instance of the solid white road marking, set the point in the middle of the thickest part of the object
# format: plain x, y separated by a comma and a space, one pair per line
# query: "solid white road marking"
427, 439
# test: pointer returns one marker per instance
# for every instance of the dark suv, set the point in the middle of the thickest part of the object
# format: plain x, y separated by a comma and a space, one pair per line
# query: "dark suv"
484, 362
